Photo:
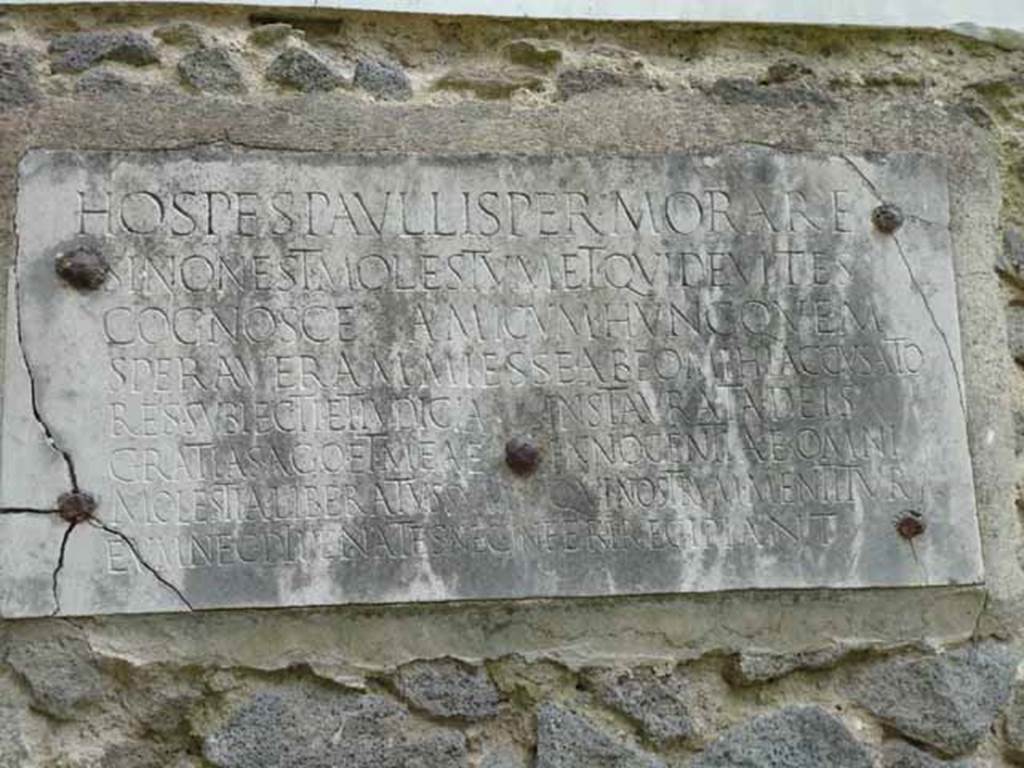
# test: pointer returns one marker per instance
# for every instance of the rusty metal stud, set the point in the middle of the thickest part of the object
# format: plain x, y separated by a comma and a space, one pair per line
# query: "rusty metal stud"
887, 218
83, 267
76, 506
521, 455
910, 525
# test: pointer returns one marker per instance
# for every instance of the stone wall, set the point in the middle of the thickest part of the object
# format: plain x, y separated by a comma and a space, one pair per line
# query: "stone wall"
900, 677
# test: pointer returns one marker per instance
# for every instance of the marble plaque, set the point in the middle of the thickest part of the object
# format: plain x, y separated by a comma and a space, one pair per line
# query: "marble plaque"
302, 379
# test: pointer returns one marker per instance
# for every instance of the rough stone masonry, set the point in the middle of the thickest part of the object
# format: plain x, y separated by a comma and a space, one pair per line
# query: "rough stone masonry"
363, 328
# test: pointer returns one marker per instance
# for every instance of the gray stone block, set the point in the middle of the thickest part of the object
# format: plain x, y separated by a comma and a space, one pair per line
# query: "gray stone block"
17, 77
503, 757
739, 90
78, 52
573, 82
60, 673
302, 71
307, 726
182, 33
947, 701
161, 699
558, 532
267, 35
1013, 730
753, 668
566, 740
786, 71
211, 70
899, 754
137, 754
1010, 259
794, 737
490, 82
13, 750
382, 79
533, 53
660, 704
103, 82
1015, 332
447, 688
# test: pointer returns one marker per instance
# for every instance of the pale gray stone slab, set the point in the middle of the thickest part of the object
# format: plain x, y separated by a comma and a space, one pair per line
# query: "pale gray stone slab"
346, 445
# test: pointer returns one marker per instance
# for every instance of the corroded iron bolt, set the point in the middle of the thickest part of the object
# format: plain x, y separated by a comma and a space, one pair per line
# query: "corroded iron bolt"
76, 506
910, 526
521, 455
83, 267
887, 218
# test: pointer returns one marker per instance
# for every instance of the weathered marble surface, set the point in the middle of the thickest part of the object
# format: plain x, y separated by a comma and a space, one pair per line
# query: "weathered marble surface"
296, 385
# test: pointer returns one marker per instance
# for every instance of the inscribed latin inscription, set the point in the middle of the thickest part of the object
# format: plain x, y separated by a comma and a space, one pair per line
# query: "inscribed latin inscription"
296, 383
